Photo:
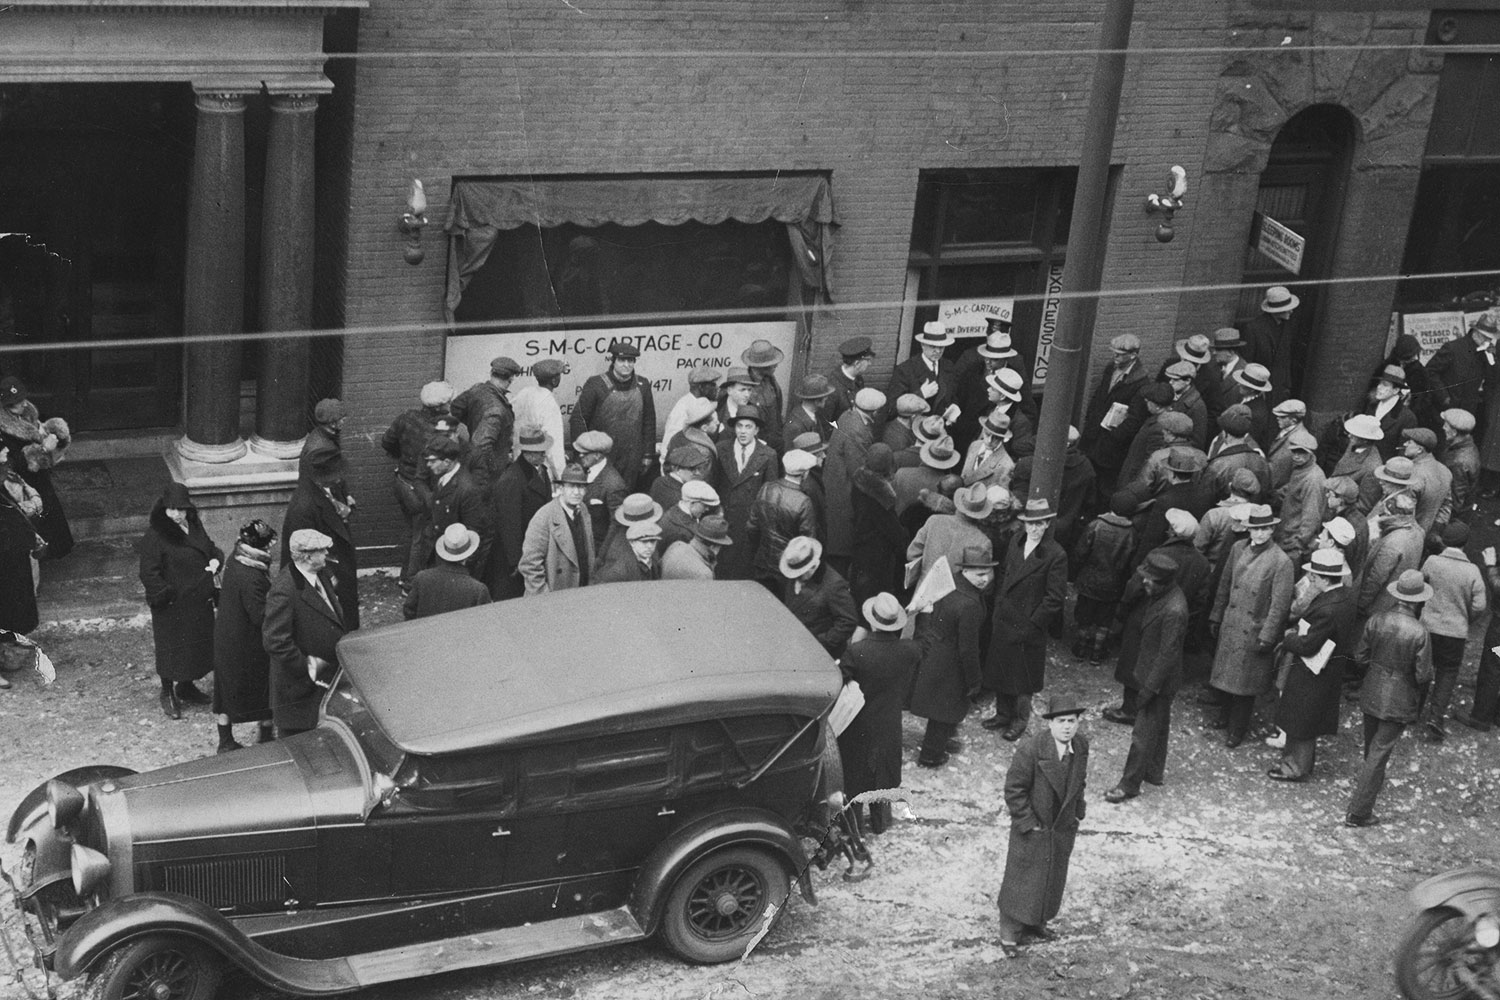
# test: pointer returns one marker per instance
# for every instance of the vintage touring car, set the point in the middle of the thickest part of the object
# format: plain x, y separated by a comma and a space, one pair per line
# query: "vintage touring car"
523, 779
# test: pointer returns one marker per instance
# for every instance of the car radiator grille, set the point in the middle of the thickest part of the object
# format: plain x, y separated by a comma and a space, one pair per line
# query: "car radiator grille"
229, 882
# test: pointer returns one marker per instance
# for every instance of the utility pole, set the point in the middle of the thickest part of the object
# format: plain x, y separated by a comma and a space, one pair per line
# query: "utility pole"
1067, 363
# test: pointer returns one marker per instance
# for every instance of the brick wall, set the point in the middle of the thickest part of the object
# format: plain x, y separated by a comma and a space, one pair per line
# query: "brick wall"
873, 123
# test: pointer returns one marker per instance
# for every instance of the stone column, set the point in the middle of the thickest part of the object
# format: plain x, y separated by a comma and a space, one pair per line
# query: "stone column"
213, 297
286, 276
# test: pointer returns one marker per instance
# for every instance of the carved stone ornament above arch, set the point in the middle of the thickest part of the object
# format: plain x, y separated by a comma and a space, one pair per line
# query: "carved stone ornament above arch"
215, 45
1389, 91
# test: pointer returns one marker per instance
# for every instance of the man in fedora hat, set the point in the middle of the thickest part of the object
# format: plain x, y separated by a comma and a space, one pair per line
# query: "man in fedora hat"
852, 438
1463, 369
737, 390
696, 499
1461, 458
1028, 596
946, 536
1176, 486
558, 550
300, 633
454, 498
613, 545
1312, 677
605, 490
950, 633
536, 406
1255, 394
448, 586
1289, 415
1301, 497
1227, 347
924, 429
883, 665
1197, 353
898, 433
1432, 482
701, 431
926, 373
1250, 610
638, 560
619, 403
781, 512
1003, 394
1386, 405
810, 415
988, 461
1115, 412
855, 357
319, 502
1421, 385
703, 391
762, 357
405, 441
522, 490
936, 458
485, 409
1154, 636
1268, 338
817, 594
696, 559
1044, 794
747, 463
1397, 653
1187, 399
978, 370
1361, 458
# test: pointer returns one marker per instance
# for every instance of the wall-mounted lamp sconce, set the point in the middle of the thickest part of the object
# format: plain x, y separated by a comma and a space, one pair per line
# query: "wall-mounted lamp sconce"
1168, 203
412, 221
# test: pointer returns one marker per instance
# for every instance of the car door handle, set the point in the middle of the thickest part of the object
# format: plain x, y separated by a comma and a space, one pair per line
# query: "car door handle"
500, 831
667, 812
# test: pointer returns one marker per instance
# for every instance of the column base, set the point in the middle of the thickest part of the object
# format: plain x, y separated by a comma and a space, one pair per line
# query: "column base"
209, 454
228, 494
276, 449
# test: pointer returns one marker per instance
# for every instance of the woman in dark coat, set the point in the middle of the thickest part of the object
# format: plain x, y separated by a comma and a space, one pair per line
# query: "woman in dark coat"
879, 559
883, 665
36, 445
178, 563
1028, 596
241, 667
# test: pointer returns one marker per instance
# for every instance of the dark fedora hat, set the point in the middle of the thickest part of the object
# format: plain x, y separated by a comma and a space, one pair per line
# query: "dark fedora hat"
1063, 704
713, 529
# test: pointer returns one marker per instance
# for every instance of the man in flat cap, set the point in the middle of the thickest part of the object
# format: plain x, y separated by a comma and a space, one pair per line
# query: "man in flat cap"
300, 632
855, 357
781, 512
812, 483
817, 594
1341, 500
1268, 338
620, 403
455, 499
1197, 353
1289, 415
637, 561
404, 441
703, 389
927, 372
1115, 413
318, 503
1187, 399
537, 406
1434, 487
1461, 457
685, 463
852, 438
606, 490
696, 559
558, 550
485, 409
1232, 449
449, 585
898, 433
1227, 346
1301, 499
521, 491
322, 445
697, 499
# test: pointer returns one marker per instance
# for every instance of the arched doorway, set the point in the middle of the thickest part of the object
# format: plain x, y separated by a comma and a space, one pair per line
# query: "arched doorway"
1302, 188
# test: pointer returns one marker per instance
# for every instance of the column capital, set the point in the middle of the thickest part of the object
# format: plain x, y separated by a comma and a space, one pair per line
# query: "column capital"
294, 101
220, 99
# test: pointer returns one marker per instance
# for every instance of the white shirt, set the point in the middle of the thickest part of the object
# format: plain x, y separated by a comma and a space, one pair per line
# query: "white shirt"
1028, 548
1063, 749
535, 405
317, 585
596, 470
1385, 406
742, 454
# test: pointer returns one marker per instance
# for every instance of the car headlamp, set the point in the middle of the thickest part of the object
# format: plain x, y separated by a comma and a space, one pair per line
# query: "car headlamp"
1487, 931
90, 869
64, 804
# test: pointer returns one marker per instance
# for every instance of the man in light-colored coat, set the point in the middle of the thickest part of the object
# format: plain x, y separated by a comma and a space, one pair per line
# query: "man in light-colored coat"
1301, 497
1250, 611
558, 551
1435, 492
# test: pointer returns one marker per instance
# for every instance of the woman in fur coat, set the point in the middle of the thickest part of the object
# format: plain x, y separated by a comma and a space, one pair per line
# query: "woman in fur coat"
36, 445
241, 665
178, 563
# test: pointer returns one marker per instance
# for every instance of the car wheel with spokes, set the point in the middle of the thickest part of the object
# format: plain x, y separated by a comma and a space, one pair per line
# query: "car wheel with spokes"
159, 967
721, 903
1432, 950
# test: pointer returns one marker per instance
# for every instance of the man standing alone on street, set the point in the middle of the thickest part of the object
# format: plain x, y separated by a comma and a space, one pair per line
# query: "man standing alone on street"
1044, 788
302, 627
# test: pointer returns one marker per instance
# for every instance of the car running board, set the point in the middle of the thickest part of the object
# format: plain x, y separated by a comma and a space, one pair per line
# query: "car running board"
508, 944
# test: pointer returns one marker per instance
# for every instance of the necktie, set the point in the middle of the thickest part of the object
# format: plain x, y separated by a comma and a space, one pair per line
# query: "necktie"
744, 456
328, 599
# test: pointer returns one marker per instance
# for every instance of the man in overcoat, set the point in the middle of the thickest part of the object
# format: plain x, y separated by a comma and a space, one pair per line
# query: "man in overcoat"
1250, 610
1116, 399
558, 550
1268, 338
1310, 701
747, 463
817, 594
448, 586
1398, 654
1161, 630
485, 409
781, 512
1301, 497
302, 627
1461, 459
1398, 546
855, 356
1044, 793
316, 503
883, 665
522, 490
697, 558
454, 498
948, 678
927, 373
852, 437
1028, 596
1463, 370
1360, 459
949, 535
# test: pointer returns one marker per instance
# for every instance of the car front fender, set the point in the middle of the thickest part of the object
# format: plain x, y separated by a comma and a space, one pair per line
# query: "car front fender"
34, 806
1471, 891
118, 921
730, 827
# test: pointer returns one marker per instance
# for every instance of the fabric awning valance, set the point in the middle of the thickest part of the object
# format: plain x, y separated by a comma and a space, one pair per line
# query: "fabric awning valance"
481, 208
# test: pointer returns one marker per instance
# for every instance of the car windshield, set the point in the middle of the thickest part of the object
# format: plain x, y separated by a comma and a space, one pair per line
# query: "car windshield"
346, 705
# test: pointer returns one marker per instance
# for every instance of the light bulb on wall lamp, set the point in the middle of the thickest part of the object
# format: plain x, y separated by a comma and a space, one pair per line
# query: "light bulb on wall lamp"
412, 221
